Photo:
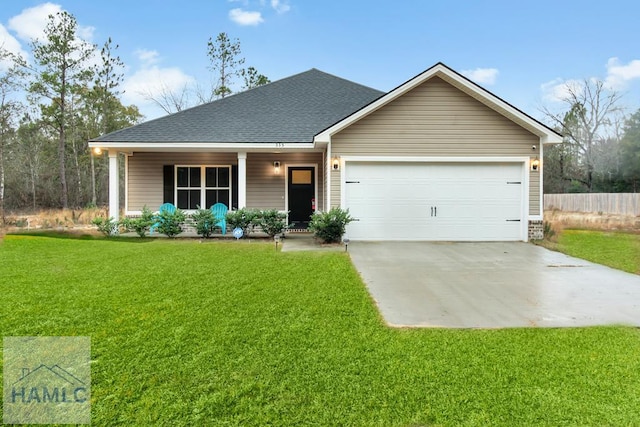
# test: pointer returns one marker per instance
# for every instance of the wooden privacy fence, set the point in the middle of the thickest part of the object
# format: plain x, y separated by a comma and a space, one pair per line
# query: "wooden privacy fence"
606, 203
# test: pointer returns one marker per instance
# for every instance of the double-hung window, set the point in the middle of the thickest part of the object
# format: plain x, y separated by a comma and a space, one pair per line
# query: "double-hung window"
202, 186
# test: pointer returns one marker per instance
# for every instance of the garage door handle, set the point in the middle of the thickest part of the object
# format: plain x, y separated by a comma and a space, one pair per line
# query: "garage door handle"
513, 220
352, 182
434, 211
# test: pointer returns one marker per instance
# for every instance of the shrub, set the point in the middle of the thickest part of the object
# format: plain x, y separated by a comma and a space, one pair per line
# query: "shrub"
170, 224
205, 222
106, 226
140, 225
246, 219
272, 222
548, 231
330, 226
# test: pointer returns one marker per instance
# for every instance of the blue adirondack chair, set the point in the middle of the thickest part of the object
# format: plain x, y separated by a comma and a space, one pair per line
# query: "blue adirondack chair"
219, 211
165, 207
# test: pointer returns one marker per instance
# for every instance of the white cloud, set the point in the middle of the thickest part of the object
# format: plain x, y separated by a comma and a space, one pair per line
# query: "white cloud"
244, 17
30, 23
482, 75
11, 45
279, 6
618, 75
86, 33
147, 57
558, 90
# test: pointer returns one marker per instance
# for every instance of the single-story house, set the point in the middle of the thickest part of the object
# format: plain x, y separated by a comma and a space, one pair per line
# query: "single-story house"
436, 158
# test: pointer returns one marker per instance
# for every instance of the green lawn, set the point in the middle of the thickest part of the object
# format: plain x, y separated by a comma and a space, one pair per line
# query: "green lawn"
617, 250
235, 333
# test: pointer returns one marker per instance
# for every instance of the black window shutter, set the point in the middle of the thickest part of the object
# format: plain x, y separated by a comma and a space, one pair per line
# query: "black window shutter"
234, 186
167, 183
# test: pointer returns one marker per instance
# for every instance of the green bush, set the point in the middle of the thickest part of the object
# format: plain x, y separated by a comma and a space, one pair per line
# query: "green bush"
140, 225
548, 230
272, 222
205, 222
107, 226
246, 219
330, 226
170, 224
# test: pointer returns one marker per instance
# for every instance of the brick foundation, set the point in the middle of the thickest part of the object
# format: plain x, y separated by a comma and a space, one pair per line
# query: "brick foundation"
536, 230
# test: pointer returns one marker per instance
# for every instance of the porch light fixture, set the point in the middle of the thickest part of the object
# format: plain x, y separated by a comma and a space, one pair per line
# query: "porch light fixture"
335, 164
535, 164
276, 167
97, 151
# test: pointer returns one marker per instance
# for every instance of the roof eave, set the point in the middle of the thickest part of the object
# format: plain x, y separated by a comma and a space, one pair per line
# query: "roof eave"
203, 146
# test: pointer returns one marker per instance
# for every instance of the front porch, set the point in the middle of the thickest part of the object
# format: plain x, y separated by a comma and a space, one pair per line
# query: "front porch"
290, 181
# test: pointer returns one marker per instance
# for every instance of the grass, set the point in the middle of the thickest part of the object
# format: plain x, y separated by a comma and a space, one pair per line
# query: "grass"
235, 334
617, 250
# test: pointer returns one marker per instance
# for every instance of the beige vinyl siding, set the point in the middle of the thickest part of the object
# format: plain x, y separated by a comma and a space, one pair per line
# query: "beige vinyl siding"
534, 193
265, 189
435, 119
144, 174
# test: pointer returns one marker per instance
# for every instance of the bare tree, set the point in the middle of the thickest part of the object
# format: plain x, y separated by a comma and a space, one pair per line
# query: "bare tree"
30, 157
588, 124
10, 108
169, 100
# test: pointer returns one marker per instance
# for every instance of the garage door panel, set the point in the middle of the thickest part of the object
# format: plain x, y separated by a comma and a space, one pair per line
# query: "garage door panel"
435, 201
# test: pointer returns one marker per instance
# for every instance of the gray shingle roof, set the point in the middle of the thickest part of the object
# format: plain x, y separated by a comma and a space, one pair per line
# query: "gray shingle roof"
293, 109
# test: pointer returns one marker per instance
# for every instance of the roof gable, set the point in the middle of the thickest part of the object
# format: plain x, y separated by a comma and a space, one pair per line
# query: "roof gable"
289, 110
460, 82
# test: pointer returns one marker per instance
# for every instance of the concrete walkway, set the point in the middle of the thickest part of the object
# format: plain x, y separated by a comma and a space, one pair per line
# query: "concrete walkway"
492, 285
296, 242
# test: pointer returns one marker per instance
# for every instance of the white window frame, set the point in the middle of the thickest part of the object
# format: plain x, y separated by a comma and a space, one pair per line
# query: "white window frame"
203, 184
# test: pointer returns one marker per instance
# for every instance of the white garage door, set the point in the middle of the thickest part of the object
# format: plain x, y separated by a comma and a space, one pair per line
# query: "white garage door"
435, 201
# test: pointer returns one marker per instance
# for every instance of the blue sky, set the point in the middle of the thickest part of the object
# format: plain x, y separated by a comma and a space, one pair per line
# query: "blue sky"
523, 51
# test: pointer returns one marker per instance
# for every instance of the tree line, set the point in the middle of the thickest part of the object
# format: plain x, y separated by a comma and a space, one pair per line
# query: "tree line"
70, 92
600, 152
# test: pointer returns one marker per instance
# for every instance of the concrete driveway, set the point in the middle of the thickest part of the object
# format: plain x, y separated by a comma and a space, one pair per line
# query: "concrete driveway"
492, 285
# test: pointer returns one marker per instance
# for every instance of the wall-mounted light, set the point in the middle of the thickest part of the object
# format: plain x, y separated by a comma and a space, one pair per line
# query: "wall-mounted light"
535, 164
335, 164
276, 167
97, 151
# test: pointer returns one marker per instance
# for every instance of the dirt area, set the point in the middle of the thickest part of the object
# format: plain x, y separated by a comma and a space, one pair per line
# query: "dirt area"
592, 221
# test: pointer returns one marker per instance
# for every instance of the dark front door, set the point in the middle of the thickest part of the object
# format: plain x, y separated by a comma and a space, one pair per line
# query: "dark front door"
301, 194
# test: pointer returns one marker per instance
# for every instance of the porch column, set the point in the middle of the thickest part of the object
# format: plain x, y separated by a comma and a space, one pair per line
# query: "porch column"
242, 180
114, 196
